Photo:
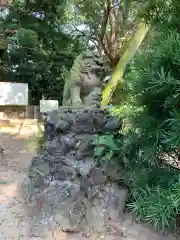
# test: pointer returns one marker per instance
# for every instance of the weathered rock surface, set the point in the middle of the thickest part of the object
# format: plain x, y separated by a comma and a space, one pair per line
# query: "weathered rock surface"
73, 188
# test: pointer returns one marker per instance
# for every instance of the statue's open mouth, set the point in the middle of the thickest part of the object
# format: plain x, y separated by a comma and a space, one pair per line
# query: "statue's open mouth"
99, 63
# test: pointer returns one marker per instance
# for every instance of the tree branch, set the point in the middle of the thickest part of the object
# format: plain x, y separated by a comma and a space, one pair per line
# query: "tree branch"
10, 32
89, 38
113, 27
106, 12
4, 3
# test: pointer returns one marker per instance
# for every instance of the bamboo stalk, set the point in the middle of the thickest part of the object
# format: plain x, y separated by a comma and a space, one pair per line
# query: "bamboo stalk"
117, 75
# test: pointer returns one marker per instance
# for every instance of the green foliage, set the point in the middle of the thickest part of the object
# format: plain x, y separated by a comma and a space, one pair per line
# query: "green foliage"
105, 147
92, 12
111, 24
156, 206
153, 136
3, 182
40, 53
20, 236
156, 89
150, 145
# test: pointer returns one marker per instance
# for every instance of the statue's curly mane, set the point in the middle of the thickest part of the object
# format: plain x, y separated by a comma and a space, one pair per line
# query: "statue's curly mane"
87, 61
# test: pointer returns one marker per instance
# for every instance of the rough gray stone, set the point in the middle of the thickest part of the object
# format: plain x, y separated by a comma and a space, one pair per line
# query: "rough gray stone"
51, 146
65, 173
65, 148
68, 170
112, 169
55, 158
85, 166
114, 124
60, 175
70, 161
71, 217
52, 117
62, 125
39, 159
75, 190
40, 170
93, 192
60, 191
99, 121
85, 148
55, 167
116, 200
97, 218
97, 177
69, 140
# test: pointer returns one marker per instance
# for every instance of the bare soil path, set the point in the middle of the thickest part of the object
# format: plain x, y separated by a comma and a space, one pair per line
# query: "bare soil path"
15, 224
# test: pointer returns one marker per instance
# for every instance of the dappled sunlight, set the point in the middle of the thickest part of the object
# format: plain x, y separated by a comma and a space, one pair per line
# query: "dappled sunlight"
23, 151
7, 191
60, 236
22, 130
13, 221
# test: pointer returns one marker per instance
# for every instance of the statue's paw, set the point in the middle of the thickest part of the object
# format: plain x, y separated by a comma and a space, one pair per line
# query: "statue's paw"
77, 102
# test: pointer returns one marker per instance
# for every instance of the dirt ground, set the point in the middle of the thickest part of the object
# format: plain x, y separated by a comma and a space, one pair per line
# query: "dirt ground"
14, 220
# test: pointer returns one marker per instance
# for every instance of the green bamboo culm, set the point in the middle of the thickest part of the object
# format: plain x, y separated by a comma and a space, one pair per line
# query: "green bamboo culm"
117, 75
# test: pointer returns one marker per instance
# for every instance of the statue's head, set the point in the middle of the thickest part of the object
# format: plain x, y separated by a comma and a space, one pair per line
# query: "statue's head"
91, 54
98, 63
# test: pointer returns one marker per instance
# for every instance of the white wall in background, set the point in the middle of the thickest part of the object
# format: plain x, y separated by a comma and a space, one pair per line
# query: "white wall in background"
13, 94
48, 105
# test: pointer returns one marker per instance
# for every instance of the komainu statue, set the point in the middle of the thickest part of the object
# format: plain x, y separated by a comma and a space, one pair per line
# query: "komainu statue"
85, 81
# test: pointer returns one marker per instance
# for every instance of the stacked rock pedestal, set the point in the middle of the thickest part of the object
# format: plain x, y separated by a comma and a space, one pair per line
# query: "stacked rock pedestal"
75, 190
